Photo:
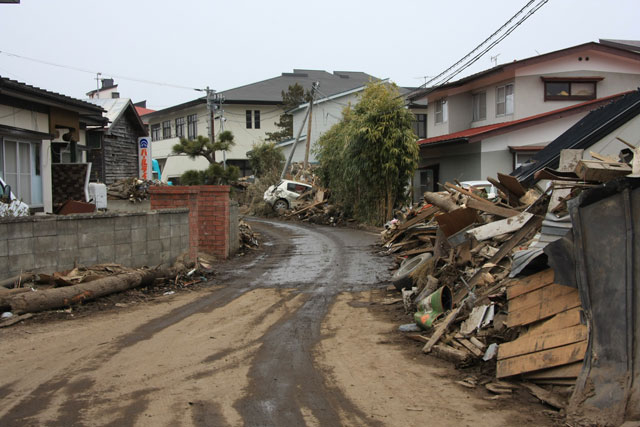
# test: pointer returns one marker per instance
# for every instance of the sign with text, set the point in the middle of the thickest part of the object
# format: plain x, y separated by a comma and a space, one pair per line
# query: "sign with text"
144, 157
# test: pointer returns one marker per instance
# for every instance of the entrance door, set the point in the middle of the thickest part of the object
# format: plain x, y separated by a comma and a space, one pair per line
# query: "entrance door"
426, 179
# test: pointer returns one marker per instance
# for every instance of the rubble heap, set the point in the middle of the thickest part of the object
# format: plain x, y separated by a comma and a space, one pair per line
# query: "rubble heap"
133, 189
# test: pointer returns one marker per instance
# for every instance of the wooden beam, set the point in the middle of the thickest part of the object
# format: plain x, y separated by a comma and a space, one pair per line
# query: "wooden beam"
441, 329
491, 208
419, 217
503, 226
532, 344
541, 360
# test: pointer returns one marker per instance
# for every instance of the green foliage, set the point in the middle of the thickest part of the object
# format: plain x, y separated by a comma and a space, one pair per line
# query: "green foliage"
369, 157
293, 97
215, 174
202, 146
265, 159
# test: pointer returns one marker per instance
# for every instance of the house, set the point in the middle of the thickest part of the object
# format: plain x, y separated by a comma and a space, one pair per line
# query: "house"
113, 149
249, 112
40, 130
327, 111
497, 119
601, 131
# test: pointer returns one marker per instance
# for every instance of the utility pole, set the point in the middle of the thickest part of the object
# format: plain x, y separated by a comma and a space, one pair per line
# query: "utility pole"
98, 85
220, 99
306, 152
295, 141
210, 110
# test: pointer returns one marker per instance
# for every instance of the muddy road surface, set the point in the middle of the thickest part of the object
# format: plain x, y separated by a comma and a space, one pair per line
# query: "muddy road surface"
298, 334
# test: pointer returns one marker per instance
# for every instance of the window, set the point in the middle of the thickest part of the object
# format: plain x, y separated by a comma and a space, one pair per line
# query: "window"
180, 127
504, 100
248, 116
256, 119
479, 102
441, 111
577, 88
155, 132
420, 125
20, 168
192, 126
166, 129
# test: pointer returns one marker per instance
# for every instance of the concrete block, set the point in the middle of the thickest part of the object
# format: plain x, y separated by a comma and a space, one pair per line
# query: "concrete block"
86, 225
24, 262
139, 235
21, 246
123, 251
153, 220
47, 261
164, 219
45, 244
166, 245
122, 237
154, 259
67, 257
45, 228
141, 260
4, 247
176, 246
103, 225
184, 230
105, 238
87, 240
4, 267
68, 242
4, 229
154, 246
106, 254
165, 258
164, 231
122, 223
175, 230
139, 248
67, 226
19, 230
88, 256
138, 221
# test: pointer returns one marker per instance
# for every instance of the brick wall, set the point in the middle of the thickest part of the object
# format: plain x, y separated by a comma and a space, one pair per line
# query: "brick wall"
209, 215
45, 244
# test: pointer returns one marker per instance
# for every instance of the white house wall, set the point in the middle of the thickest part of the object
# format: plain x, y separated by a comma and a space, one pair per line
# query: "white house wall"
24, 119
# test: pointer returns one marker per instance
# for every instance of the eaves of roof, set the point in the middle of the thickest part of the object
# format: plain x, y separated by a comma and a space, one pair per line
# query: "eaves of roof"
483, 132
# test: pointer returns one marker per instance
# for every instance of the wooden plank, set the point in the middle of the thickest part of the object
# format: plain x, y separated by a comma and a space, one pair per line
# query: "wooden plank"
532, 344
419, 217
454, 221
511, 198
562, 320
464, 191
546, 396
596, 170
544, 310
542, 359
441, 329
503, 226
530, 283
512, 184
469, 346
447, 352
491, 208
572, 370
538, 296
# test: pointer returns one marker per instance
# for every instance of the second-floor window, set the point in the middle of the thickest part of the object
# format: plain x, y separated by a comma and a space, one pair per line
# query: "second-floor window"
479, 102
504, 100
180, 127
192, 126
420, 125
155, 132
248, 117
256, 119
442, 115
166, 129
579, 88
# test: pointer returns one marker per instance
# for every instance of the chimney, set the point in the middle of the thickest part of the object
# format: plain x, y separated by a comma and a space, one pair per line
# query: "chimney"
107, 83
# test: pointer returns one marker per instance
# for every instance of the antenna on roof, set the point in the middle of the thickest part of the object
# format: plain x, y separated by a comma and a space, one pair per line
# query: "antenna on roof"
494, 59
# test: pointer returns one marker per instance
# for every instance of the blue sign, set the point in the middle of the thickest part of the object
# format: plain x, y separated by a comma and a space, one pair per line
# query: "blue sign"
144, 143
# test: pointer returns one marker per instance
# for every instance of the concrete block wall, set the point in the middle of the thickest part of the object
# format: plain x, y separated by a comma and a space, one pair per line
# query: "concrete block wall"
209, 214
45, 244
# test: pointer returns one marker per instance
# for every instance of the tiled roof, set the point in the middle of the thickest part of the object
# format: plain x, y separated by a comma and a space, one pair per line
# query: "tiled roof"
142, 111
475, 134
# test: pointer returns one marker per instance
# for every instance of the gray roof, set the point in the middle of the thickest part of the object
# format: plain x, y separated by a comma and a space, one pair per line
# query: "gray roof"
270, 90
116, 108
623, 44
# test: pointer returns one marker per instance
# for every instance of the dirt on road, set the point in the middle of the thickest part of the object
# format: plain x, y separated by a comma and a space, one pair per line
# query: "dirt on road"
295, 335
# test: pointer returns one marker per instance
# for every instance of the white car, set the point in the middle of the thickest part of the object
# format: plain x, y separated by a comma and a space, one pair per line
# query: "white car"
282, 195
492, 192
10, 206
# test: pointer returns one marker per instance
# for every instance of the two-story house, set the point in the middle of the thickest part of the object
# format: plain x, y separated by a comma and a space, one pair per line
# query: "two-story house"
249, 112
495, 120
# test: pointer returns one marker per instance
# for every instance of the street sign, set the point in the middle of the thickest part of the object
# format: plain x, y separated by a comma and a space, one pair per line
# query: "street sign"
144, 158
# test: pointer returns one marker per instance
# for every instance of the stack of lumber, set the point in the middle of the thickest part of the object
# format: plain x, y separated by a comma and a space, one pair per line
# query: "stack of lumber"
133, 189
313, 206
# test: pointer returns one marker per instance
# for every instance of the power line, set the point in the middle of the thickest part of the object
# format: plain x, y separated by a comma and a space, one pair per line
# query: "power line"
83, 70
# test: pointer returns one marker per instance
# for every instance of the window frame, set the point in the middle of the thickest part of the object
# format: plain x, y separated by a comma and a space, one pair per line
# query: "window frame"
33, 174
256, 119
442, 111
478, 117
248, 121
570, 81
505, 99
419, 125
180, 124
155, 132
192, 126
166, 129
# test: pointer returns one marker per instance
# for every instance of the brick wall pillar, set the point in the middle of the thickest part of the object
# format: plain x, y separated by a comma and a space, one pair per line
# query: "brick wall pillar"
208, 214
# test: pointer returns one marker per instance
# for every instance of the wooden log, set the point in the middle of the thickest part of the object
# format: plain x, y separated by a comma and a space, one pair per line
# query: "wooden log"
443, 202
11, 281
32, 302
446, 352
6, 296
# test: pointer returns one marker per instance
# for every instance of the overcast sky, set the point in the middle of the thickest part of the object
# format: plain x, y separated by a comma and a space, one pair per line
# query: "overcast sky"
225, 44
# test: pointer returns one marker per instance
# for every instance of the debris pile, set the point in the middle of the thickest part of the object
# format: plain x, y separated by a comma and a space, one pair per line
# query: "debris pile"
133, 189
473, 274
313, 206
248, 238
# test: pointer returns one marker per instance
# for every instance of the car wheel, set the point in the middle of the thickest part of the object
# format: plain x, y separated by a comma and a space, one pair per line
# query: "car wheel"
401, 278
280, 205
